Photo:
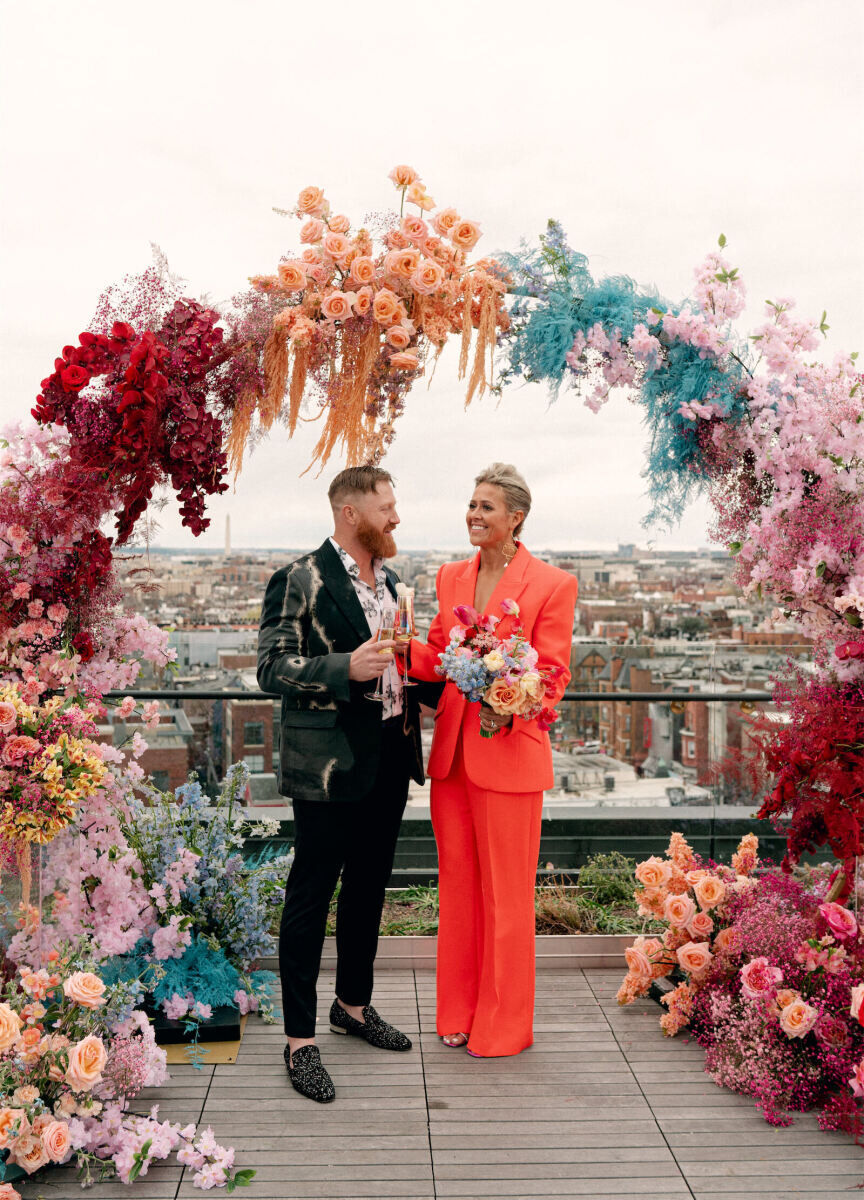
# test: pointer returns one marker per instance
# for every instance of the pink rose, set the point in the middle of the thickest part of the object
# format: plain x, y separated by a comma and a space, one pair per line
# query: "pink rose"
8, 716
700, 925
339, 224
17, 748
857, 998
403, 176
798, 1018
84, 988
840, 920
362, 269
710, 891
695, 958
55, 1139
86, 1064
654, 872
679, 911
7, 1192
336, 306
312, 231
292, 275
415, 229
857, 1081
758, 978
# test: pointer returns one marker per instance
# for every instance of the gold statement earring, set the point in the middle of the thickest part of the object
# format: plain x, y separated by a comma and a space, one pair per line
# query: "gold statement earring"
509, 550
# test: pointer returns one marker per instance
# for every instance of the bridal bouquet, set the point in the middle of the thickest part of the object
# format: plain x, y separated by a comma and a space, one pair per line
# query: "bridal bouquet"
501, 673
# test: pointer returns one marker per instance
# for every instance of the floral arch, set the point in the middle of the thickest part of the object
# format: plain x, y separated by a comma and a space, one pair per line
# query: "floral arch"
162, 390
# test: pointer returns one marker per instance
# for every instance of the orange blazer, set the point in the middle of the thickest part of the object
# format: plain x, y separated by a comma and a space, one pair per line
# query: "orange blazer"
517, 759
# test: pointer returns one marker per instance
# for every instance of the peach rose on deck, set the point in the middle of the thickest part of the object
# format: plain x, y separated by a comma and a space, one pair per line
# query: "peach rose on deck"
292, 275
10, 1027
427, 278
798, 1018
362, 269
465, 235
7, 1192
385, 307
55, 1139
312, 231
710, 891
404, 360
86, 1063
653, 872
398, 337
336, 306
637, 962
679, 911
29, 1153
505, 698
695, 958
311, 202
84, 988
403, 176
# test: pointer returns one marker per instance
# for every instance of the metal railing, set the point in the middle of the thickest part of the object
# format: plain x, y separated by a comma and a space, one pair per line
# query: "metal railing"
570, 697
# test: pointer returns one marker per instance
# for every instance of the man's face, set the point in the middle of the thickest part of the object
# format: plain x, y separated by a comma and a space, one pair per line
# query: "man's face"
376, 518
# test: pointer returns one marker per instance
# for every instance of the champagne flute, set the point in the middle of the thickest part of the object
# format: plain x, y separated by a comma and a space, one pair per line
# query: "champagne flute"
405, 630
386, 633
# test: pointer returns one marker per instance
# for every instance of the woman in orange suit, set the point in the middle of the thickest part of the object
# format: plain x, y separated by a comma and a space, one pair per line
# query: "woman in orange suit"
487, 793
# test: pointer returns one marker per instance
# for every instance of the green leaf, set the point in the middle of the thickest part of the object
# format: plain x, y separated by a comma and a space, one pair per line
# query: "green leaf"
852, 618
854, 355
734, 547
821, 569
721, 241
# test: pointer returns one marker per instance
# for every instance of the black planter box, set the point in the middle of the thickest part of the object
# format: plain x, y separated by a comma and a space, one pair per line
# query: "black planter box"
223, 1026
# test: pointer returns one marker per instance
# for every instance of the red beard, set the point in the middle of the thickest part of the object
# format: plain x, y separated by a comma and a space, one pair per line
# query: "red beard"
376, 541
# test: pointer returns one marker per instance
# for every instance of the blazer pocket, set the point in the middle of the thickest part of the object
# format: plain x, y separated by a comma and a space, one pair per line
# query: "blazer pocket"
324, 718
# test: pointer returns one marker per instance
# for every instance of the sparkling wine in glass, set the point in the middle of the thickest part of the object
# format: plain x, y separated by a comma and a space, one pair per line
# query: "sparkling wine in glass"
386, 633
405, 630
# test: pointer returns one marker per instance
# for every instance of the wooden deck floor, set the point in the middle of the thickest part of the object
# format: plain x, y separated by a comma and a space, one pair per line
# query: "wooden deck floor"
601, 1106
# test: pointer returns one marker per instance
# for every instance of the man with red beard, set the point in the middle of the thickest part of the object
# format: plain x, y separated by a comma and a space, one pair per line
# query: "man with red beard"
344, 762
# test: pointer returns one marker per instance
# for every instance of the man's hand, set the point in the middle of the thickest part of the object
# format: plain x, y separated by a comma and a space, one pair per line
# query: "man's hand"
370, 660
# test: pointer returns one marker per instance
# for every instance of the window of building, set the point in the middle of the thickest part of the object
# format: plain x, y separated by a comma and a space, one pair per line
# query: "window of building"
253, 733
275, 760
161, 780
604, 713
627, 723
255, 763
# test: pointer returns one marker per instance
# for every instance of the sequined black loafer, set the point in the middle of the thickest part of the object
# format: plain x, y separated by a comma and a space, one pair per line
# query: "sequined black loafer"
375, 1031
308, 1074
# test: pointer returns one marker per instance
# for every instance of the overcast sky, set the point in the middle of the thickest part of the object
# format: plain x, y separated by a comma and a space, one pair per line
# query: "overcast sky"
646, 129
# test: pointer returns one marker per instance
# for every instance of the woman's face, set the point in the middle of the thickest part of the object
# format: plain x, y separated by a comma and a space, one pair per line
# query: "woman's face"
489, 522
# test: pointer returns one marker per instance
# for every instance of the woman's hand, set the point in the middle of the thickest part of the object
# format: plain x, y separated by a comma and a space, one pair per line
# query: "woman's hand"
492, 721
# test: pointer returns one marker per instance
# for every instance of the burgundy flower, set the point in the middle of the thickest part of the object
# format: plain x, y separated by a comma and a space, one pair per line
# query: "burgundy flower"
83, 645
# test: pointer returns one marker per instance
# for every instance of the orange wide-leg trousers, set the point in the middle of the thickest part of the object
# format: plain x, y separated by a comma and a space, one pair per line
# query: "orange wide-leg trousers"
488, 846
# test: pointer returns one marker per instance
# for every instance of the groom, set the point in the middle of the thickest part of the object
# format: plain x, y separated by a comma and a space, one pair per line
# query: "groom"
345, 762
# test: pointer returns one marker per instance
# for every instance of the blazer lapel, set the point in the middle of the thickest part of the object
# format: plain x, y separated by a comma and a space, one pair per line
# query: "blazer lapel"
338, 583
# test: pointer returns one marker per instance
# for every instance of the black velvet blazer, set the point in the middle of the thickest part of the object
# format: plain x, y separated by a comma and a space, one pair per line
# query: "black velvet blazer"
330, 735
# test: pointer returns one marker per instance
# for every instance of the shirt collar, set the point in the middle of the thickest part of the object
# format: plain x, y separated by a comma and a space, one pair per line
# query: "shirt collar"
351, 566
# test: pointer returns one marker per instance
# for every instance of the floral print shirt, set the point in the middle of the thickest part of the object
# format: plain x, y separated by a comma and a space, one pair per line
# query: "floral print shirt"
373, 601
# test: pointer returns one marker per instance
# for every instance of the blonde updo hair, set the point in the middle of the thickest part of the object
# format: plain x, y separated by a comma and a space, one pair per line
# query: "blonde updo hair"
517, 497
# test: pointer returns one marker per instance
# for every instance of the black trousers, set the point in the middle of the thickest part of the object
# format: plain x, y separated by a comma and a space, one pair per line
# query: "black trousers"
358, 841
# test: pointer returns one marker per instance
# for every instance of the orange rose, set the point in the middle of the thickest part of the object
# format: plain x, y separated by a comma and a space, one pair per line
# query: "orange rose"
695, 958
679, 911
465, 235
336, 245
427, 278
710, 891
405, 360
55, 1139
337, 306
785, 997
292, 275
398, 337
445, 220
312, 231
362, 269
85, 989
385, 307
311, 202
10, 1027
402, 263
798, 1018
505, 698
339, 224
403, 176
416, 194
653, 872
9, 1118
638, 963
363, 302
86, 1064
